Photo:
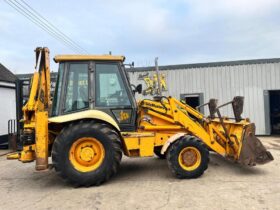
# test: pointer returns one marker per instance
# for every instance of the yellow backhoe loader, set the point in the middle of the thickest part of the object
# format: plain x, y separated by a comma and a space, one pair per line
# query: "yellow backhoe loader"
95, 119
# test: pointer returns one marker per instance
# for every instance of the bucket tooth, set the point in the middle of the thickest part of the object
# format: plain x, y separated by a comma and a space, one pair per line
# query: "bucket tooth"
253, 152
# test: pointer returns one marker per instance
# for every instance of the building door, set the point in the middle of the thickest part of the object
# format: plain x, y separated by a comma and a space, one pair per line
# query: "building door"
193, 100
272, 112
274, 106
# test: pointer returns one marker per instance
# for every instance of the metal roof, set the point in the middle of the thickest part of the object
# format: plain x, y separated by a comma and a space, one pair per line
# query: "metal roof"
184, 66
60, 58
6, 75
204, 65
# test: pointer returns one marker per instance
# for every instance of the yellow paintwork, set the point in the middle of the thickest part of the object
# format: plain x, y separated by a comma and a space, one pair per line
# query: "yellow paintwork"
139, 144
168, 120
30, 105
13, 156
42, 140
88, 114
179, 121
27, 156
166, 125
61, 58
35, 114
86, 154
185, 158
142, 143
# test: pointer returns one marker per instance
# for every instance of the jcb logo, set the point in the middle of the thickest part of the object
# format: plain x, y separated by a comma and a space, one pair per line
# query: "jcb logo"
124, 116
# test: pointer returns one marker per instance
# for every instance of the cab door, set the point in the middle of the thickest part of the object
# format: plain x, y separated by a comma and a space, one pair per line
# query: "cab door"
113, 94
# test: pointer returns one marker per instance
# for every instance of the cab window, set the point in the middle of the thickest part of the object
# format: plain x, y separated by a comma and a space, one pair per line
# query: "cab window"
77, 88
56, 99
110, 89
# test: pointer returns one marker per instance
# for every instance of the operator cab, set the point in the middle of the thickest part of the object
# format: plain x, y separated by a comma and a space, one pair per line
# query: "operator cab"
94, 82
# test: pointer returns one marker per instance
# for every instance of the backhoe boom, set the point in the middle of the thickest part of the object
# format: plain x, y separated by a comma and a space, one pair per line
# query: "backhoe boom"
35, 113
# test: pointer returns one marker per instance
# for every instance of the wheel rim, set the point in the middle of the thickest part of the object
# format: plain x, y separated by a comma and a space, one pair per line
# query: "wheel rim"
189, 158
86, 154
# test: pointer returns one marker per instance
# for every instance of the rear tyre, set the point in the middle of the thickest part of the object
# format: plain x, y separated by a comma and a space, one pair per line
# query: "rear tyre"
188, 157
157, 153
87, 153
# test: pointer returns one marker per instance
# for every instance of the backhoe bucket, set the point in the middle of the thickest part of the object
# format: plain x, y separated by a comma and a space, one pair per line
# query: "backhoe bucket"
253, 152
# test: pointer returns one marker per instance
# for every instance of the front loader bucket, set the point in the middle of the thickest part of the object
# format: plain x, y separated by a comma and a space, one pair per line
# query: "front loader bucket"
253, 152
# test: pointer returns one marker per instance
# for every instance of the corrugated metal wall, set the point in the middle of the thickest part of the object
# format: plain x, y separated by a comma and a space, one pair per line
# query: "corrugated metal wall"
224, 82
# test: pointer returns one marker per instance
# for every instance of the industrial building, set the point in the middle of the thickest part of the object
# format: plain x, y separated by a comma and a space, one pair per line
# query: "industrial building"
257, 80
8, 110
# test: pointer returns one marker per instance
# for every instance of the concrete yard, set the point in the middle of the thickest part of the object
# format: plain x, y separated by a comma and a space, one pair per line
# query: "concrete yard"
147, 184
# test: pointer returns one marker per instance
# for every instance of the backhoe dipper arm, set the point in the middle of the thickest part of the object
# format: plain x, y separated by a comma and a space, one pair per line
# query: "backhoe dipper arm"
35, 113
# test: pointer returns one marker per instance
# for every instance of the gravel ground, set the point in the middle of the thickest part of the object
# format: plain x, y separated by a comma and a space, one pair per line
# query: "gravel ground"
147, 184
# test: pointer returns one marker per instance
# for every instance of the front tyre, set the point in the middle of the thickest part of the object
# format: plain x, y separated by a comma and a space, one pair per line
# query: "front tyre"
188, 157
87, 153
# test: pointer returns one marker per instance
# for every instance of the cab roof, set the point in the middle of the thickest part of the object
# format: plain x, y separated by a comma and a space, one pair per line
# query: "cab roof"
61, 58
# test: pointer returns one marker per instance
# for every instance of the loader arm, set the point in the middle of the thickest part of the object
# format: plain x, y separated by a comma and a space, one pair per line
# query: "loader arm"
177, 117
229, 138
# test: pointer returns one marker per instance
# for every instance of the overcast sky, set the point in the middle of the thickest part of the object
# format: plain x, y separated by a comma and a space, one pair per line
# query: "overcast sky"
178, 32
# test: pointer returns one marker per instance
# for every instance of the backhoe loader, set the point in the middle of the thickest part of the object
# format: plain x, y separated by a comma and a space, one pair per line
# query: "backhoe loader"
95, 119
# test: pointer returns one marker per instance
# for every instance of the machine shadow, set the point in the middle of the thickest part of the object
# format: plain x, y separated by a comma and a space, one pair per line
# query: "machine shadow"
143, 168
226, 165
151, 168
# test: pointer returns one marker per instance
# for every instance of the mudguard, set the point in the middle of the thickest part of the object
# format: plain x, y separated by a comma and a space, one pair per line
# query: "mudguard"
88, 114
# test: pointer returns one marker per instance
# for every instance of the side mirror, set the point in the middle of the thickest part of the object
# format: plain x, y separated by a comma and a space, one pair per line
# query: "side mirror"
138, 88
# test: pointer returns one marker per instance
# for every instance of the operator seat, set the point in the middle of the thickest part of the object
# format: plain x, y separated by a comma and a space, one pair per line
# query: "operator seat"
84, 97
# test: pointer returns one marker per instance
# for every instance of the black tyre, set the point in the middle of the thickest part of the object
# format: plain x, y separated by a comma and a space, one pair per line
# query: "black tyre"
188, 157
157, 153
87, 153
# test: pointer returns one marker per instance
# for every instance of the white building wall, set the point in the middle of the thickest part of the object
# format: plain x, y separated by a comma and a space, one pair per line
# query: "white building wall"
7, 106
223, 83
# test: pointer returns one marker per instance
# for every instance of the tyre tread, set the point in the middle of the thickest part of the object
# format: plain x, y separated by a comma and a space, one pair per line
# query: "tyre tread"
172, 157
61, 141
